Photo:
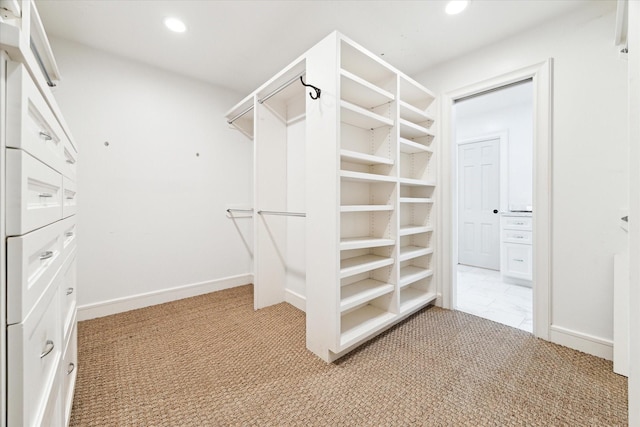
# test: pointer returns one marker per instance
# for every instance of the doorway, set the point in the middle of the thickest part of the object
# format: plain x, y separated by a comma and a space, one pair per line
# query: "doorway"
494, 148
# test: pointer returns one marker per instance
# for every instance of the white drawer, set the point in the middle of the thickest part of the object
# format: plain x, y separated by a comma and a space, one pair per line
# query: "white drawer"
31, 125
68, 292
69, 192
33, 357
34, 193
53, 411
70, 160
69, 372
69, 236
517, 261
517, 236
32, 262
517, 222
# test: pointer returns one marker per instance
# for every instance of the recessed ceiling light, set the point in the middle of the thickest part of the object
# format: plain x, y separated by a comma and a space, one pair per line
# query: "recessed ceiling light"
175, 25
456, 6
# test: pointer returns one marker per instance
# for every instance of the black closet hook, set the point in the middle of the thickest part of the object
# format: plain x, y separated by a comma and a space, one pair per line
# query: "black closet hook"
315, 88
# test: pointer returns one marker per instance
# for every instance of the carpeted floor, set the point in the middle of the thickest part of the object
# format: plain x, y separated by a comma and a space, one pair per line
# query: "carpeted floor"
213, 361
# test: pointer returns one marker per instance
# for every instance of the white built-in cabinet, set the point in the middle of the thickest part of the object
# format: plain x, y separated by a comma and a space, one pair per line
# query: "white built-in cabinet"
344, 193
38, 226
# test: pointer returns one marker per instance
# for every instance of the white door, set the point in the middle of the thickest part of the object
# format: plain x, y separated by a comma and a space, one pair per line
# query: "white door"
479, 204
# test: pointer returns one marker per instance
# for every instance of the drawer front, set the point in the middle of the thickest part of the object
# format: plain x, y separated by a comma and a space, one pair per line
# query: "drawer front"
517, 222
53, 411
34, 193
69, 192
35, 351
516, 236
69, 236
70, 160
69, 372
31, 125
518, 261
68, 292
32, 262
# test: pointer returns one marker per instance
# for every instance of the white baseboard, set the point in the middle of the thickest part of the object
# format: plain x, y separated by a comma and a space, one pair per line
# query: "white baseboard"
582, 342
133, 302
296, 300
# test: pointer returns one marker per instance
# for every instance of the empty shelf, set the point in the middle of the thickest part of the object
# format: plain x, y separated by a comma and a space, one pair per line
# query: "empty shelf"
365, 177
362, 158
362, 264
416, 200
411, 147
407, 230
359, 91
412, 182
365, 208
411, 299
411, 274
415, 94
364, 242
361, 292
411, 130
410, 252
361, 322
361, 117
415, 115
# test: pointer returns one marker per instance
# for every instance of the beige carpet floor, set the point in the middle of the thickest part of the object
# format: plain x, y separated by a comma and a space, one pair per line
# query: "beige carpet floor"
213, 361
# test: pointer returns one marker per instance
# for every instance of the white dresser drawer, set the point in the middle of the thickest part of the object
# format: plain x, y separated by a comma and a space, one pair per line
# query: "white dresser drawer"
53, 413
69, 236
33, 260
31, 125
68, 292
517, 223
34, 193
69, 192
70, 160
518, 261
69, 372
33, 357
517, 236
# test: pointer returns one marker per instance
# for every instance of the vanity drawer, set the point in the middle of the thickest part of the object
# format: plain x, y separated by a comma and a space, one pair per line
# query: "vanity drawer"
69, 192
517, 236
31, 125
517, 222
32, 262
33, 357
518, 261
68, 292
34, 193
69, 368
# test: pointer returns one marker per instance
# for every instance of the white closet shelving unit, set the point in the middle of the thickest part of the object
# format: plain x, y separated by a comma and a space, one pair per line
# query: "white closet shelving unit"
365, 154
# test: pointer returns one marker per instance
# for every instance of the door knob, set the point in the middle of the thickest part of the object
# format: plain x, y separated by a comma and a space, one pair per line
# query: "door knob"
495, 211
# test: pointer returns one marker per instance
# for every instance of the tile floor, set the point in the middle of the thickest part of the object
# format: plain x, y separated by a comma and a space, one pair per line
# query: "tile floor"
482, 293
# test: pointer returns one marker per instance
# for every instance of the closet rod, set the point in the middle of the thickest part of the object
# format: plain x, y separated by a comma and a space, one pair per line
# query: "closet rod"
239, 210
282, 213
230, 121
281, 88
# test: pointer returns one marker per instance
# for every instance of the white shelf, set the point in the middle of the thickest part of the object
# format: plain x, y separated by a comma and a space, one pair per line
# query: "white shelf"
361, 264
362, 158
411, 252
365, 208
411, 130
416, 200
365, 177
359, 91
412, 182
361, 292
411, 147
359, 323
414, 93
411, 298
413, 114
361, 117
407, 230
364, 242
411, 274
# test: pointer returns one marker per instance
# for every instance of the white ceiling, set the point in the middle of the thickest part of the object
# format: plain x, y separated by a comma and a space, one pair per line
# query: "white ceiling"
241, 44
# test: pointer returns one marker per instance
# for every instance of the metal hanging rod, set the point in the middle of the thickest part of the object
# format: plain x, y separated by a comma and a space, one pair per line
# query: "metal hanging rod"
239, 210
281, 88
302, 214
230, 121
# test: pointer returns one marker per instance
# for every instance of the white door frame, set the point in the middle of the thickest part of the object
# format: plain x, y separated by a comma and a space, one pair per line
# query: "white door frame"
541, 74
503, 137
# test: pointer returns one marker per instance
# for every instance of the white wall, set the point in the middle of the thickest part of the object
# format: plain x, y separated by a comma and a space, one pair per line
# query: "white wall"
590, 168
152, 203
508, 110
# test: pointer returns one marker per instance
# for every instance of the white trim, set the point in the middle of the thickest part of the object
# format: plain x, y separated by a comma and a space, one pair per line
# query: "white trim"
541, 74
295, 299
583, 342
133, 302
